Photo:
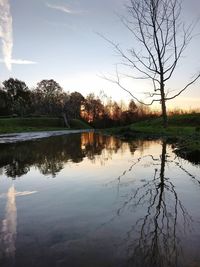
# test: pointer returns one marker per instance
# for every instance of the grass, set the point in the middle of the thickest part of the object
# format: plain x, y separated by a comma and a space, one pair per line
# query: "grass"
192, 120
16, 125
179, 125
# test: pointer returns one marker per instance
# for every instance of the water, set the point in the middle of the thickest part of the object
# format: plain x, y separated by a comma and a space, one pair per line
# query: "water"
89, 200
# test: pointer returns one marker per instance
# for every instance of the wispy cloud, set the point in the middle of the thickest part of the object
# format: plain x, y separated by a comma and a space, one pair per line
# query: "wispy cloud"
60, 8
6, 33
64, 8
19, 61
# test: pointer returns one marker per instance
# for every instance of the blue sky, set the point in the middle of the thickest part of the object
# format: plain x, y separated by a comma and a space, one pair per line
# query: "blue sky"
58, 39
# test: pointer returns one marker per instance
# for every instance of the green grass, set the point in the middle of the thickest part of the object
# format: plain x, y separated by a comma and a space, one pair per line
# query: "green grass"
16, 125
32, 122
179, 125
192, 120
186, 125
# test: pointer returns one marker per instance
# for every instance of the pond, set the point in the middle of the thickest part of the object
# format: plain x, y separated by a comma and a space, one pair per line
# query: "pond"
85, 200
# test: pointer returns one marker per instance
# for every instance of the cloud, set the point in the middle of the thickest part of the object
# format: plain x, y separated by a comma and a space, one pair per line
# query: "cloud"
19, 61
6, 33
25, 193
60, 8
63, 8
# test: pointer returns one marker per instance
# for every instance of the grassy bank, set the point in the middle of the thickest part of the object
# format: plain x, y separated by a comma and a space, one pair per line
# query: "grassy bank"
179, 126
16, 125
183, 132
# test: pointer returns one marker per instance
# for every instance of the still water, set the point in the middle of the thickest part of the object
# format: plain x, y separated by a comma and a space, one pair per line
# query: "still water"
87, 200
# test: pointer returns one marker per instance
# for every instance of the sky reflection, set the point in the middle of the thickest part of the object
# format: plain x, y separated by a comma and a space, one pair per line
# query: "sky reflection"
110, 202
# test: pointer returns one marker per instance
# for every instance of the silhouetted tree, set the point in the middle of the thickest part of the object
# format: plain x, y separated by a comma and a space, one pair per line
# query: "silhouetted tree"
93, 108
132, 107
18, 95
162, 38
5, 103
49, 92
76, 100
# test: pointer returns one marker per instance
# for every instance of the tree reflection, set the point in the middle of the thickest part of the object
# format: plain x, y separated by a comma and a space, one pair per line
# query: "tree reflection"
154, 239
51, 154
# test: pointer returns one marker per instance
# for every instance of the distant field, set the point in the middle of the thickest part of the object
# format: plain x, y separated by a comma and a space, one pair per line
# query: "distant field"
10, 125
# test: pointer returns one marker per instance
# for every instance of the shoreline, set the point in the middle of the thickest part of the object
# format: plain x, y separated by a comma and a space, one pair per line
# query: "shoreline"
185, 144
29, 136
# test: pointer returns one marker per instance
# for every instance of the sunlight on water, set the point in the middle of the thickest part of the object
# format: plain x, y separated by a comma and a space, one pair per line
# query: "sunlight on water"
93, 200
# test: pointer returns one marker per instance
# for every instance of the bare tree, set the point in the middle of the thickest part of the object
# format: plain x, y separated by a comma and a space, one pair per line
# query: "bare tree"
162, 37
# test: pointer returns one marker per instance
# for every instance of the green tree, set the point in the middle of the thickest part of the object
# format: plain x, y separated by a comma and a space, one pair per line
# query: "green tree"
18, 95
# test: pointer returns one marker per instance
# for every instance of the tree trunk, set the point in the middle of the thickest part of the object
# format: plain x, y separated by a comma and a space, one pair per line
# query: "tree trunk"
163, 106
65, 120
163, 160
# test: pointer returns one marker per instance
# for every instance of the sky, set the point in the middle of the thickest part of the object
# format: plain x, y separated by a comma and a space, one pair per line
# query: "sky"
59, 39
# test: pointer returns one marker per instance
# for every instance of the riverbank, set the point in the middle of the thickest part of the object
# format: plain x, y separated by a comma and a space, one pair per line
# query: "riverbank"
21, 137
185, 139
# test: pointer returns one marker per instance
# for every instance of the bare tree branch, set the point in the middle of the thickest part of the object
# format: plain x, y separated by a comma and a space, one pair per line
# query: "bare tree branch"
162, 39
182, 90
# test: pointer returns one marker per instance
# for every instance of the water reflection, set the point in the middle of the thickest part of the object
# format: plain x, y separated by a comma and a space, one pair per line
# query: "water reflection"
9, 227
8, 231
155, 239
81, 222
49, 155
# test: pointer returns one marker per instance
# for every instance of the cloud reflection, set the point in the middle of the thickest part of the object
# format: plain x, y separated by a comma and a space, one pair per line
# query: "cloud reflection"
8, 231
9, 226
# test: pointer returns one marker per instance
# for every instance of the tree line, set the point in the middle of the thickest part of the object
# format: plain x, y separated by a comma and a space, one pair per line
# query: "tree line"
49, 99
